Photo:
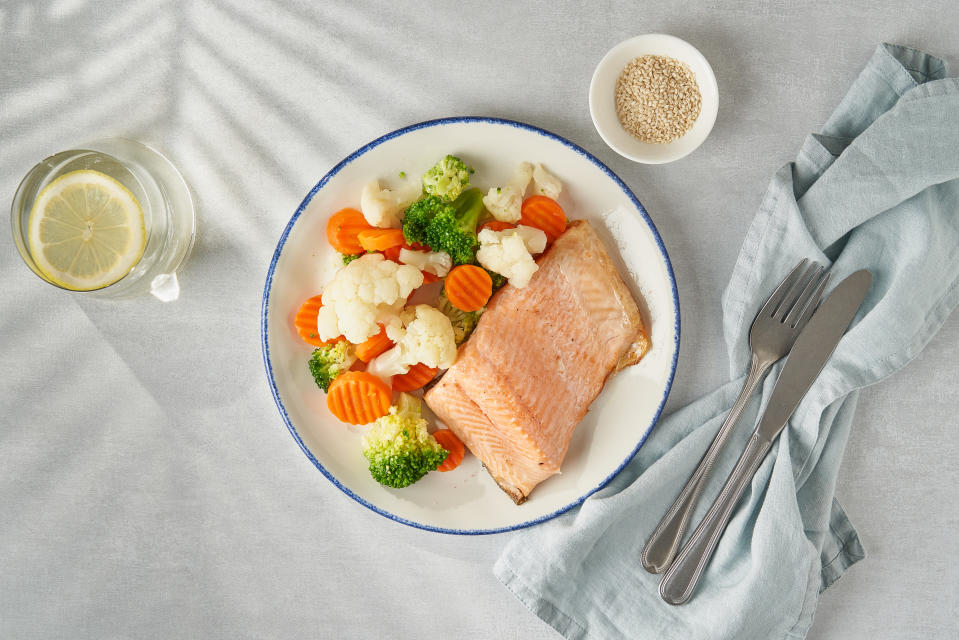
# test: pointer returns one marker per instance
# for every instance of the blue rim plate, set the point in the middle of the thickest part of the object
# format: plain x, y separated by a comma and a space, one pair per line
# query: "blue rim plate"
471, 504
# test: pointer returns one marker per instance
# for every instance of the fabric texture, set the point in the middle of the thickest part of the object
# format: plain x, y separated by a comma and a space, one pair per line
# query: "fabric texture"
878, 188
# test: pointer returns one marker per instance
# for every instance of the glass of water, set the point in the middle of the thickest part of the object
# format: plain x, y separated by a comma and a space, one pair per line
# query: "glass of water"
114, 219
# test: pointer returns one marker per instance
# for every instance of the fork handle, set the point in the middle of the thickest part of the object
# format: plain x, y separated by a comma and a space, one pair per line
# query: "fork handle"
683, 575
662, 545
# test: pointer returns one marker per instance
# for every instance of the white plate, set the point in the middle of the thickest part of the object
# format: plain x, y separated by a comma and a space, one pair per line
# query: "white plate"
467, 500
602, 103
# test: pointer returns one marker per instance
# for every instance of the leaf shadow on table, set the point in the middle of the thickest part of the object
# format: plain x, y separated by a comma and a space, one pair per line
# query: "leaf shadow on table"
92, 74
78, 71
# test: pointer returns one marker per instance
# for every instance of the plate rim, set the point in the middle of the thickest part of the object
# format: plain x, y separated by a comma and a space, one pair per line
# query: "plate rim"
281, 243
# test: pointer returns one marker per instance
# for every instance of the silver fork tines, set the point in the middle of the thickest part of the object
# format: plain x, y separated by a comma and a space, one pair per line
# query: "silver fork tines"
771, 336
808, 300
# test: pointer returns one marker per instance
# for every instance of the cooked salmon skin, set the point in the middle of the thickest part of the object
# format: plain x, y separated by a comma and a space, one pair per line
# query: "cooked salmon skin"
538, 358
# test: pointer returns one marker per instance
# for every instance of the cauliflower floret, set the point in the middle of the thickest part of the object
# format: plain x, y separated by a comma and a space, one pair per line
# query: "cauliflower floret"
383, 207
510, 253
438, 263
429, 338
509, 258
505, 203
368, 291
422, 334
522, 176
545, 183
533, 239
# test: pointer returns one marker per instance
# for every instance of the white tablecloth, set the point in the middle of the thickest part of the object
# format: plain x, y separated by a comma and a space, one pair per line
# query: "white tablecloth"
149, 487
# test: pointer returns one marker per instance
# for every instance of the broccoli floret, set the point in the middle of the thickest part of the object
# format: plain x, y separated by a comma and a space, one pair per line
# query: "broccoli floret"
498, 280
328, 362
418, 216
442, 226
463, 321
456, 234
399, 448
350, 257
447, 178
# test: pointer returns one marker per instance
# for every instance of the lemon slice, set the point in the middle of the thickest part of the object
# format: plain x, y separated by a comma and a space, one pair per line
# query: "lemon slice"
86, 230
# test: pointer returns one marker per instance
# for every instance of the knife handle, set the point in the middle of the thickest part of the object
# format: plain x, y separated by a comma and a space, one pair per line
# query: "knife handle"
683, 575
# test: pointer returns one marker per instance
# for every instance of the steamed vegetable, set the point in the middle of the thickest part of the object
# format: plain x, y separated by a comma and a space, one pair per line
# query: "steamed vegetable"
380, 239
422, 335
454, 445
545, 214
357, 397
343, 228
416, 378
399, 448
328, 362
382, 207
456, 234
545, 183
463, 322
498, 280
437, 263
418, 216
305, 322
510, 252
447, 227
365, 293
374, 346
447, 179
468, 287
496, 225
504, 202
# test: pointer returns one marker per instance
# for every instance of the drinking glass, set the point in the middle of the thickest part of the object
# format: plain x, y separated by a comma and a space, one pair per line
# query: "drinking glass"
158, 187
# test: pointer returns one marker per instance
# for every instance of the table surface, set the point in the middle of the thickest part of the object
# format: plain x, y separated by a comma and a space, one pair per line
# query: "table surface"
150, 488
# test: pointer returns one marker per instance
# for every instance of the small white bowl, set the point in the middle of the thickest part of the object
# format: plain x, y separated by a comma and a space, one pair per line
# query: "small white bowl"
602, 104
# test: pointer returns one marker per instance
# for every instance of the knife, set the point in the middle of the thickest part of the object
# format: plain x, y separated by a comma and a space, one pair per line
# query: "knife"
806, 359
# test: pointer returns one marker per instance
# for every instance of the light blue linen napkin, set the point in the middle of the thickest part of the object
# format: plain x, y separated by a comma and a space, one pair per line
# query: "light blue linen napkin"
878, 189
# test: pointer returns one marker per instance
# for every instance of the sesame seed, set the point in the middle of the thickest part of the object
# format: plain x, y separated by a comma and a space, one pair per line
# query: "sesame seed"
657, 98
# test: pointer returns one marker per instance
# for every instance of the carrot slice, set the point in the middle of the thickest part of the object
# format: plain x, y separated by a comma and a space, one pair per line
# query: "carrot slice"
496, 225
468, 287
343, 230
454, 445
305, 322
381, 239
544, 214
393, 253
358, 397
372, 347
416, 378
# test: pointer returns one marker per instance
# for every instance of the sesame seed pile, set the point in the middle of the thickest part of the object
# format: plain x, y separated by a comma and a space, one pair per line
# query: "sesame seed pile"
657, 98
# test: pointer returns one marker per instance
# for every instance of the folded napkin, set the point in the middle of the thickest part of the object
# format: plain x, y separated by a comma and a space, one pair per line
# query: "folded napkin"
878, 189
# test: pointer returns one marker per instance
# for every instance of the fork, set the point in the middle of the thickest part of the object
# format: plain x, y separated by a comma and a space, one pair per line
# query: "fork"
771, 336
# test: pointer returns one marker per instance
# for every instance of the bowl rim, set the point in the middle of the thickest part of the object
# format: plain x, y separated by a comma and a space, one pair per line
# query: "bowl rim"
281, 243
710, 80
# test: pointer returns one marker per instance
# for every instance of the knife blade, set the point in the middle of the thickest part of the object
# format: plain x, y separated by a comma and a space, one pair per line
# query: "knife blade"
812, 350
808, 356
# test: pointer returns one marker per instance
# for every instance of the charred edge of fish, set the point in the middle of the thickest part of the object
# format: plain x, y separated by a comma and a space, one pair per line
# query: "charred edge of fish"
432, 383
636, 352
515, 494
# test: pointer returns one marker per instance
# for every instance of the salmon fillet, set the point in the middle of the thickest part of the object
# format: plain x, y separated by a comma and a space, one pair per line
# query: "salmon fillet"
537, 359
